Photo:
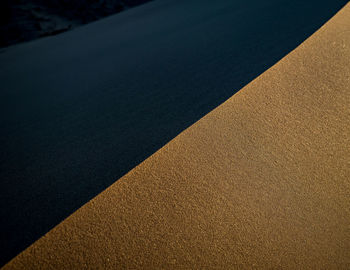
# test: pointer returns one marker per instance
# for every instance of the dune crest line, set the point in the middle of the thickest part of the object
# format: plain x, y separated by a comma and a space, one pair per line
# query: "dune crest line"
83, 108
260, 182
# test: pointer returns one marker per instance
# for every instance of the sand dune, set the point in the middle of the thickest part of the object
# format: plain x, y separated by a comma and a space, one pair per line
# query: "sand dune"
25, 20
81, 109
260, 182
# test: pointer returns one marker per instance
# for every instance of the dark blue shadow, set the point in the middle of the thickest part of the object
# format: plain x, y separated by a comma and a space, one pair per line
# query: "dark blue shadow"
81, 109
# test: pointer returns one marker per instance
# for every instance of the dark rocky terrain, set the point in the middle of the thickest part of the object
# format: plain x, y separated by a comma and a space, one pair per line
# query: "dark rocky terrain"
24, 20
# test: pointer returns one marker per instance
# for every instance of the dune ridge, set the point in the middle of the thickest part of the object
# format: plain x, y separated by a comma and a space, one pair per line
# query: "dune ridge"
81, 109
260, 182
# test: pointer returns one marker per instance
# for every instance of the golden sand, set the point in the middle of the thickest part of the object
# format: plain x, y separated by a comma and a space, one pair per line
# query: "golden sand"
263, 181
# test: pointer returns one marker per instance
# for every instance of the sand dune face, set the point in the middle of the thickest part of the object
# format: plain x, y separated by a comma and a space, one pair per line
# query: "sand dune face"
260, 182
24, 20
80, 110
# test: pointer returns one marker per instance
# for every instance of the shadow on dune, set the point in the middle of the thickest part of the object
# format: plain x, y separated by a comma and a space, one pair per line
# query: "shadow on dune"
81, 109
25, 20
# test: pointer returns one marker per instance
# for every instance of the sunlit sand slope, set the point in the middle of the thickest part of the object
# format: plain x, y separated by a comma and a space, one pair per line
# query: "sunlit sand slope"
263, 181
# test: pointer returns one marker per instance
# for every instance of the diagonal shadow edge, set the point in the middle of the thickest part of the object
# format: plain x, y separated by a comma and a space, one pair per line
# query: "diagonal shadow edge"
32, 212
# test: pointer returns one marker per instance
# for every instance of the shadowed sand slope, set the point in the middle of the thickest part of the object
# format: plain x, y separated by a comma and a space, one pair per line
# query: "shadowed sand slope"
260, 182
81, 109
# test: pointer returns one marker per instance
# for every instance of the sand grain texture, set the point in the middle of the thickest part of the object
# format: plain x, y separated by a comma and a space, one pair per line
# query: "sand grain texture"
263, 181
81, 109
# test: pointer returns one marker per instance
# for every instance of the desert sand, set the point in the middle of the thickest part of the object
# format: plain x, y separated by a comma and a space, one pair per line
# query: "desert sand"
261, 182
25, 20
81, 109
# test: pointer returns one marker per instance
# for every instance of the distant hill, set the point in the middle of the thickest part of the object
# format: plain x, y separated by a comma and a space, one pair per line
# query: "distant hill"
24, 20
